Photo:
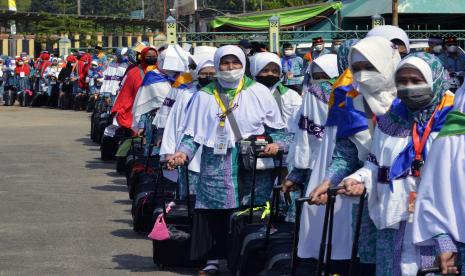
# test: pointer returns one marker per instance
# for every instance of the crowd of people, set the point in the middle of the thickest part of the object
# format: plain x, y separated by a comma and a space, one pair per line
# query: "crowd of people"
70, 82
369, 116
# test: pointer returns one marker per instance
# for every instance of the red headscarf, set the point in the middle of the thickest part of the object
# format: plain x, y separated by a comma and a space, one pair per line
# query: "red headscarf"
83, 68
44, 62
22, 68
131, 84
143, 54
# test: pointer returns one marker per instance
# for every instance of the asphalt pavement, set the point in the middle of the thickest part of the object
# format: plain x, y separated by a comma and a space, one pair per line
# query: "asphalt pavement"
62, 210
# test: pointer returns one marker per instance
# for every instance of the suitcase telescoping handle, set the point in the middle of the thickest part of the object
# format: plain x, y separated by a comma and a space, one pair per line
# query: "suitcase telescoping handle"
298, 204
254, 179
358, 224
163, 165
327, 233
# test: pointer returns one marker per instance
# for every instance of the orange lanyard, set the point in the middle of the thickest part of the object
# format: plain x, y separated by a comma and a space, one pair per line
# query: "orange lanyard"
419, 144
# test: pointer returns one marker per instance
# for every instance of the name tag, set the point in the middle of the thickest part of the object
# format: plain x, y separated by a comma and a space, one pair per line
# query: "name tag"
21, 74
221, 144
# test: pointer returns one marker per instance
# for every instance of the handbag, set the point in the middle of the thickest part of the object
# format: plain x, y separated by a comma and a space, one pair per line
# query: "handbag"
160, 230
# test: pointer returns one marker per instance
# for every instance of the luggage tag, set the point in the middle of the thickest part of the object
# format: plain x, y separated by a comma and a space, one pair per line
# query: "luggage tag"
21, 74
221, 139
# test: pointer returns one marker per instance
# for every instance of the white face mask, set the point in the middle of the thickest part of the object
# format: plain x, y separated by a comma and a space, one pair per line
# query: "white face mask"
230, 76
371, 85
437, 49
452, 49
288, 52
336, 48
318, 47
247, 51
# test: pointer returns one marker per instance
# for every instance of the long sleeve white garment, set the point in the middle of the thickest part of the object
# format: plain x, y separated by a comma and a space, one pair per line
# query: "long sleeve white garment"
173, 131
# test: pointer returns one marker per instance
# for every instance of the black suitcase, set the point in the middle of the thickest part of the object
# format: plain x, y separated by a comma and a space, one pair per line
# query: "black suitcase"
175, 252
109, 145
323, 268
251, 235
121, 161
9, 96
150, 195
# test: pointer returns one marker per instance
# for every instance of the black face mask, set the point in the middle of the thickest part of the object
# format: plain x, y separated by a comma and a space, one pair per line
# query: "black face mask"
150, 60
415, 98
205, 81
267, 81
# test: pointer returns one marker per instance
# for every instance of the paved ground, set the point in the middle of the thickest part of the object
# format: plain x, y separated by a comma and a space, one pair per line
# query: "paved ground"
62, 210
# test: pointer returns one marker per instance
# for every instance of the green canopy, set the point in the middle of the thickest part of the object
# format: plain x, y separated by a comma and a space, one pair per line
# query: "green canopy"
288, 17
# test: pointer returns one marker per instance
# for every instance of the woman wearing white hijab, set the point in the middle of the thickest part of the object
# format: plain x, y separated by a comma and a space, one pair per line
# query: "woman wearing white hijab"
266, 69
372, 63
310, 119
439, 216
208, 124
173, 131
393, 168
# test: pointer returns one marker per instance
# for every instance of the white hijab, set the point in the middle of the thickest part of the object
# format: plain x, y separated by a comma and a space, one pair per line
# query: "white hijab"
208, 62
225, 51
420, 65
390, 33
382, 55
327, 63
261, 60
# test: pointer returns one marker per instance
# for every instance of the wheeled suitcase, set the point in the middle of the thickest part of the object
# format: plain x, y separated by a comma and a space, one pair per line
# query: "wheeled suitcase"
253, 235
176, 250
327, 235
9, 96
149, 195
240, 220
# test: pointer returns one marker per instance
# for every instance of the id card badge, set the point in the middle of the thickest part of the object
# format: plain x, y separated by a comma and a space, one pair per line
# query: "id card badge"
21, 74
221, 142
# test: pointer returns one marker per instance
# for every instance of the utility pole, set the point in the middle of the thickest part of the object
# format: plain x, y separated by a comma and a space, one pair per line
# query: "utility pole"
79, 7
243, 6
395, 13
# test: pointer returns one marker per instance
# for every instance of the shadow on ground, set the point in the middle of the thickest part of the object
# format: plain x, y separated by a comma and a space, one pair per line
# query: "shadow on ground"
136, 263
110, 188
128, 233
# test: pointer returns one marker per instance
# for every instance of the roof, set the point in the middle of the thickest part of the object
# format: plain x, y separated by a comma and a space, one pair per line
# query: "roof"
288, 17
366, 8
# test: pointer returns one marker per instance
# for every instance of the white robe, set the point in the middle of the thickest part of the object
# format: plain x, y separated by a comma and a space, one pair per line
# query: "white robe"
149, 98
173, 132
112, 77
388, 208
256, 107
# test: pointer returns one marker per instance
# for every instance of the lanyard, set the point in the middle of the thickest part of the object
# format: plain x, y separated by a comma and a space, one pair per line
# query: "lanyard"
231, 103
418, 143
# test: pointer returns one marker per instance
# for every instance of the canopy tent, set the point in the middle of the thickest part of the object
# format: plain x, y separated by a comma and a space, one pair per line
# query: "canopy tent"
289, 18
367, 8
